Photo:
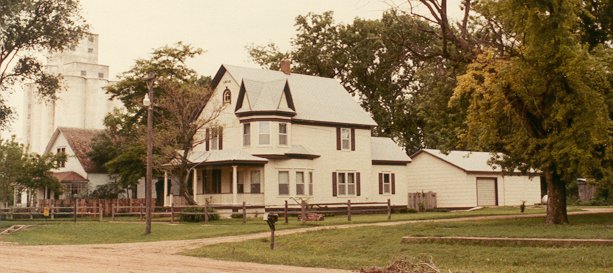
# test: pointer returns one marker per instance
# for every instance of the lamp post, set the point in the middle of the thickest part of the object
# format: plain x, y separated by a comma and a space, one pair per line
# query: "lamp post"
148, 102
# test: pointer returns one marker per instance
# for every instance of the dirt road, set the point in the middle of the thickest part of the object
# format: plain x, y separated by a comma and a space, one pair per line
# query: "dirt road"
162, 256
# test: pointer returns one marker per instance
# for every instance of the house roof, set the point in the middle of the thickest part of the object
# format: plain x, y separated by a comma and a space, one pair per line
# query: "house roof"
225, 156
468, 161
80, 141
69, 177
384, 149
314, 98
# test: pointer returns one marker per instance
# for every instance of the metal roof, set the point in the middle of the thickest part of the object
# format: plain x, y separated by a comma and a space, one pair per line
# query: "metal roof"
385, 149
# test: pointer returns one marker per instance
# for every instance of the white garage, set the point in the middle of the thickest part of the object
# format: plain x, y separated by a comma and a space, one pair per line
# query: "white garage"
464, 179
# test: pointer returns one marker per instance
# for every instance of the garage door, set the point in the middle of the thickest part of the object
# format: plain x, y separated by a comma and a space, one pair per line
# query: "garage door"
486, 192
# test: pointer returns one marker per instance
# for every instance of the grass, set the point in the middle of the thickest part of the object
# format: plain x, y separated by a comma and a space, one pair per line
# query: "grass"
375, 246
64, 231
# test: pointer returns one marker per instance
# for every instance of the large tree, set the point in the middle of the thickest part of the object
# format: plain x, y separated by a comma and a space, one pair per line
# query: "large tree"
542, 104
34, 25
179, 96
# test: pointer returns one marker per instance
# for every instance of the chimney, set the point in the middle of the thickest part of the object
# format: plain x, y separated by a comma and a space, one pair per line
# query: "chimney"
285, 66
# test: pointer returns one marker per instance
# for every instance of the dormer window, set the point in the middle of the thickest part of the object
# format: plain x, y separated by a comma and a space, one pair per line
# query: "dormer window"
227, 96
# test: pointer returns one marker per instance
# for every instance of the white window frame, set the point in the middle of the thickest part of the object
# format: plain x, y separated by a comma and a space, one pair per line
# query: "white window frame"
345, 139
246, 134
348, 186
387, 186
283, 135
214, 138
253, 182
262, 132
286, 191
300, 183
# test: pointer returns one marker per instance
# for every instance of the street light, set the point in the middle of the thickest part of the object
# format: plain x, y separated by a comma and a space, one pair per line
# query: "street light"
148, 102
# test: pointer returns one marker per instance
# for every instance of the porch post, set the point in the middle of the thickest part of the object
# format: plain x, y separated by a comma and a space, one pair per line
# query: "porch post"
234, 185
165, 188
195, 183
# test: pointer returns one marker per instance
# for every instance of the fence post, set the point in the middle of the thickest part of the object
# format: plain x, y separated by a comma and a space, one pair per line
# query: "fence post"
172, 213
52, 208
303, 211
389, 210
244, 213
101, 210
206, 214
285, 213
112, 211
75, 210
31, 210
349, 210
141, 212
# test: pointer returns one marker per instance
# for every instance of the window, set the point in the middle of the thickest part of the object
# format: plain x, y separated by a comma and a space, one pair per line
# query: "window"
83, 73
264, 135
345, 138
299, 183
90, 50
240, 183
61, 163
282, 133
283, 182
311, 183
90, 38
346, 183
101, 75
227, 96
255, 182
214, 138
387, 183
246, 134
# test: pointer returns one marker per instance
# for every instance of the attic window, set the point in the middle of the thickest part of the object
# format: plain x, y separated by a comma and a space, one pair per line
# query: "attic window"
61, 152
227, 96
83, 73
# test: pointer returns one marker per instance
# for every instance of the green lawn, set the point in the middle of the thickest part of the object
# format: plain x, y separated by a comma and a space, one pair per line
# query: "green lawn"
376, 246
89, 231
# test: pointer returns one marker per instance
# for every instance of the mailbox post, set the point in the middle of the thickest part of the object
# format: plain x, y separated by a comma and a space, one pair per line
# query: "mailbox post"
271, 219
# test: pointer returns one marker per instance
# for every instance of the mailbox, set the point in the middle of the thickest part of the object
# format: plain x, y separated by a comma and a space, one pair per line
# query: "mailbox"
272, 217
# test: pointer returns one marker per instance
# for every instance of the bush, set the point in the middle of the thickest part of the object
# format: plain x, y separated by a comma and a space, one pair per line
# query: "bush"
406, 210
236, 215
197, 217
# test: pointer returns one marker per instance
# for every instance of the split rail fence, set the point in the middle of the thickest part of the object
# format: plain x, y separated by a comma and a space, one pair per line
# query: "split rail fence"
98, 209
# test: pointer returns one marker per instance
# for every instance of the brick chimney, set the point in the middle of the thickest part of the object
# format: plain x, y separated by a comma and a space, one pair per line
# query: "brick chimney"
285, 66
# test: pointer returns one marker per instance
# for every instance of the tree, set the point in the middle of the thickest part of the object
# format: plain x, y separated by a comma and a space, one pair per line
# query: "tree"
35, 25
179, 96
37, 173
12, 157
542, 105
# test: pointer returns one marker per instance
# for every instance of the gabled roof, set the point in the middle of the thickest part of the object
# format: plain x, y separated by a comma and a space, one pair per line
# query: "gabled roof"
385, 151
265, 97
80, 141
69, 177
466, 160
315, 98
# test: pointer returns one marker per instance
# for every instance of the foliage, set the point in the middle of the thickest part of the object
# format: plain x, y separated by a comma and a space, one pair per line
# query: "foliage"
12, 157
111, 190
543, 107
35, 25
179, 95
213, 215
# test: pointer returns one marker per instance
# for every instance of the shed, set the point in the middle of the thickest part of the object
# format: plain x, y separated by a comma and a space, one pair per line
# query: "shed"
464, 179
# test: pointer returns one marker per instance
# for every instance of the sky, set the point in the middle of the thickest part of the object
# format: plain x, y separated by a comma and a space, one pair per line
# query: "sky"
131, 29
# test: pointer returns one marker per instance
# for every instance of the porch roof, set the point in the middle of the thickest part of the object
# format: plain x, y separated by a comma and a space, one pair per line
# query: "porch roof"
221, 157
72, 177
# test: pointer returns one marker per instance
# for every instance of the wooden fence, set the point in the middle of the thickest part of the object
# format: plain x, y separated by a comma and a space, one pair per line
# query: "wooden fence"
312, 211
421, 201
98, 209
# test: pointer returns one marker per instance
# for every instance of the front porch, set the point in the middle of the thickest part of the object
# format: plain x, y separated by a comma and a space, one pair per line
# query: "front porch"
223, 180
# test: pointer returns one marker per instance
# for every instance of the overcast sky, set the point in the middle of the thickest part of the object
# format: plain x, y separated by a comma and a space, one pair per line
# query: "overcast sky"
131, 29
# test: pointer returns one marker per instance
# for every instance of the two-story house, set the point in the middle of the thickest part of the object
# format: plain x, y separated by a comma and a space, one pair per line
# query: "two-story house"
282, 135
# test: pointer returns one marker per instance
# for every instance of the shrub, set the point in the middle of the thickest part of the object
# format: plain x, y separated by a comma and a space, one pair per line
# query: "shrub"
236, 215
197, 217
406, 210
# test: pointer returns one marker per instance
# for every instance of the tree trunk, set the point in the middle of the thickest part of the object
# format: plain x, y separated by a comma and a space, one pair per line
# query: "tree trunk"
556, 199
184, 191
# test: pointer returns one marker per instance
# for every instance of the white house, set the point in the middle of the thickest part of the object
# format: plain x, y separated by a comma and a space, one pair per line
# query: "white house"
465, 179
283, 136
78, 174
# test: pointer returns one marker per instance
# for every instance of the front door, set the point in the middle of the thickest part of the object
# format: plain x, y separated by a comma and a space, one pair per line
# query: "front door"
486, 192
